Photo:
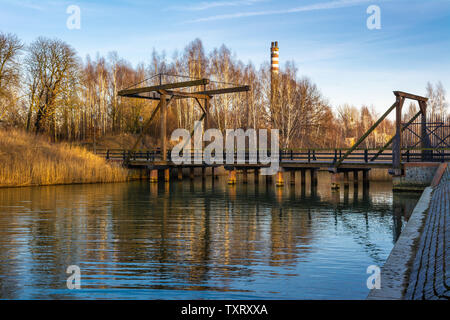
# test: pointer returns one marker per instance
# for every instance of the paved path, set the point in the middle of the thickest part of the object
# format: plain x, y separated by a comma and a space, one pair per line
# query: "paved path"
430, 273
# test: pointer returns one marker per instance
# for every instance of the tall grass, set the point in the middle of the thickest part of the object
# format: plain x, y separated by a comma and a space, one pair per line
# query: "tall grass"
29, 160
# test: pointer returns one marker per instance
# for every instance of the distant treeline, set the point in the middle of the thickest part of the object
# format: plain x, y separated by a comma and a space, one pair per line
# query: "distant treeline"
46, 88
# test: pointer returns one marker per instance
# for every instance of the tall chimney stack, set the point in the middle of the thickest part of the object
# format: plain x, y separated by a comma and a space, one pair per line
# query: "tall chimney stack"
275, 57
274, 72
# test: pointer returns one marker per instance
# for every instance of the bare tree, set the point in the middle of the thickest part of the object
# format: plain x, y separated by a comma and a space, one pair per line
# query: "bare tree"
10, 50
51, 64
437, 102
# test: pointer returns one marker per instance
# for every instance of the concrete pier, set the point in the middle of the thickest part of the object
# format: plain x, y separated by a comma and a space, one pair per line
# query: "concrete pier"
154, 176
167, 175
280, 179
232, 177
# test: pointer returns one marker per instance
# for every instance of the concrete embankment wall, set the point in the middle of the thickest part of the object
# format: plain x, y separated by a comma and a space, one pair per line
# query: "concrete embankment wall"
409, 269
417, 176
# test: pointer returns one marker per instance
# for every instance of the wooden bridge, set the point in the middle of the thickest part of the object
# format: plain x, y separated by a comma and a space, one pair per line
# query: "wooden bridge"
391, 156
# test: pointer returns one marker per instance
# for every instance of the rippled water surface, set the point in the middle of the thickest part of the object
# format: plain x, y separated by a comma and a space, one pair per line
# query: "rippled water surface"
196, 240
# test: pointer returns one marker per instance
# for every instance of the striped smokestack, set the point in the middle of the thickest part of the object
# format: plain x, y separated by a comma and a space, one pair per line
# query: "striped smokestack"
274, 72
274, 57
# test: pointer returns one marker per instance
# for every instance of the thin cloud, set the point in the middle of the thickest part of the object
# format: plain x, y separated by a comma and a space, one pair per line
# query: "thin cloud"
24, 4
312, 7
216, 4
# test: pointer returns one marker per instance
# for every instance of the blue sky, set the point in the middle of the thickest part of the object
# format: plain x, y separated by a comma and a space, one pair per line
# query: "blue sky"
327, 39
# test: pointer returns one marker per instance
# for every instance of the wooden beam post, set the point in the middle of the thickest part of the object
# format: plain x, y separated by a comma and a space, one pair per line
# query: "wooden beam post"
425, 139
180, 173
163, 116
397, 144
256, 175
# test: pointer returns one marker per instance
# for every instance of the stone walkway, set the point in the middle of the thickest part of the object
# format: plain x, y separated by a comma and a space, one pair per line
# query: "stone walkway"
430, 273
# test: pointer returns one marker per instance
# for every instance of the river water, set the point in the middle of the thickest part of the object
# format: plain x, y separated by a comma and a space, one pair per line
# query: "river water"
199, 240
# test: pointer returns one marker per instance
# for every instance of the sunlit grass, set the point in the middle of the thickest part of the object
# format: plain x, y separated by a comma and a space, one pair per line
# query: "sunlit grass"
28, 160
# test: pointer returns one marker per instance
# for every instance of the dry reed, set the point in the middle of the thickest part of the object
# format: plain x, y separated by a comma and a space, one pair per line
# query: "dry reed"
29, 160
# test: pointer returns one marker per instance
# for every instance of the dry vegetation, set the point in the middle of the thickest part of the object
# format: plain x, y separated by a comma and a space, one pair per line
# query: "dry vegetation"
29, 160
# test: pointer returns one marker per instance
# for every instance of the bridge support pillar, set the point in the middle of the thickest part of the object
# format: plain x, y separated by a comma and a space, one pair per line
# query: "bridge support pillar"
365, 178
292, 178
268, 179
180, 173
280, 179
232, 177
346, 180
167, 175
335, 181
303, 177
203, 173
191, 173
153, 176
245, 176
313, 173
355, 179
256, 175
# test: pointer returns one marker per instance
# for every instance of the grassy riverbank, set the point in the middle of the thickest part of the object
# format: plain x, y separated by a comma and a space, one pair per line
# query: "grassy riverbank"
29, 160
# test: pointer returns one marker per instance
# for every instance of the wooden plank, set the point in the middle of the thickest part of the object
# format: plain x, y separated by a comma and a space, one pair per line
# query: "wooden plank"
136, 96
174, 85
180, 94
410, 96
224, 91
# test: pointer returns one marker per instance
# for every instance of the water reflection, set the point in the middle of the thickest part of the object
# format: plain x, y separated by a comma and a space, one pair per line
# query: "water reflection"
201, 239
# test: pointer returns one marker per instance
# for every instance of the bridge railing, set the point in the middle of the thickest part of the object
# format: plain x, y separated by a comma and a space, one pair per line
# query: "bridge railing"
299, 155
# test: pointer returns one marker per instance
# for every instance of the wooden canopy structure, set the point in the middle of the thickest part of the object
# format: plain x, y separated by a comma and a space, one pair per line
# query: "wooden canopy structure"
166, 92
